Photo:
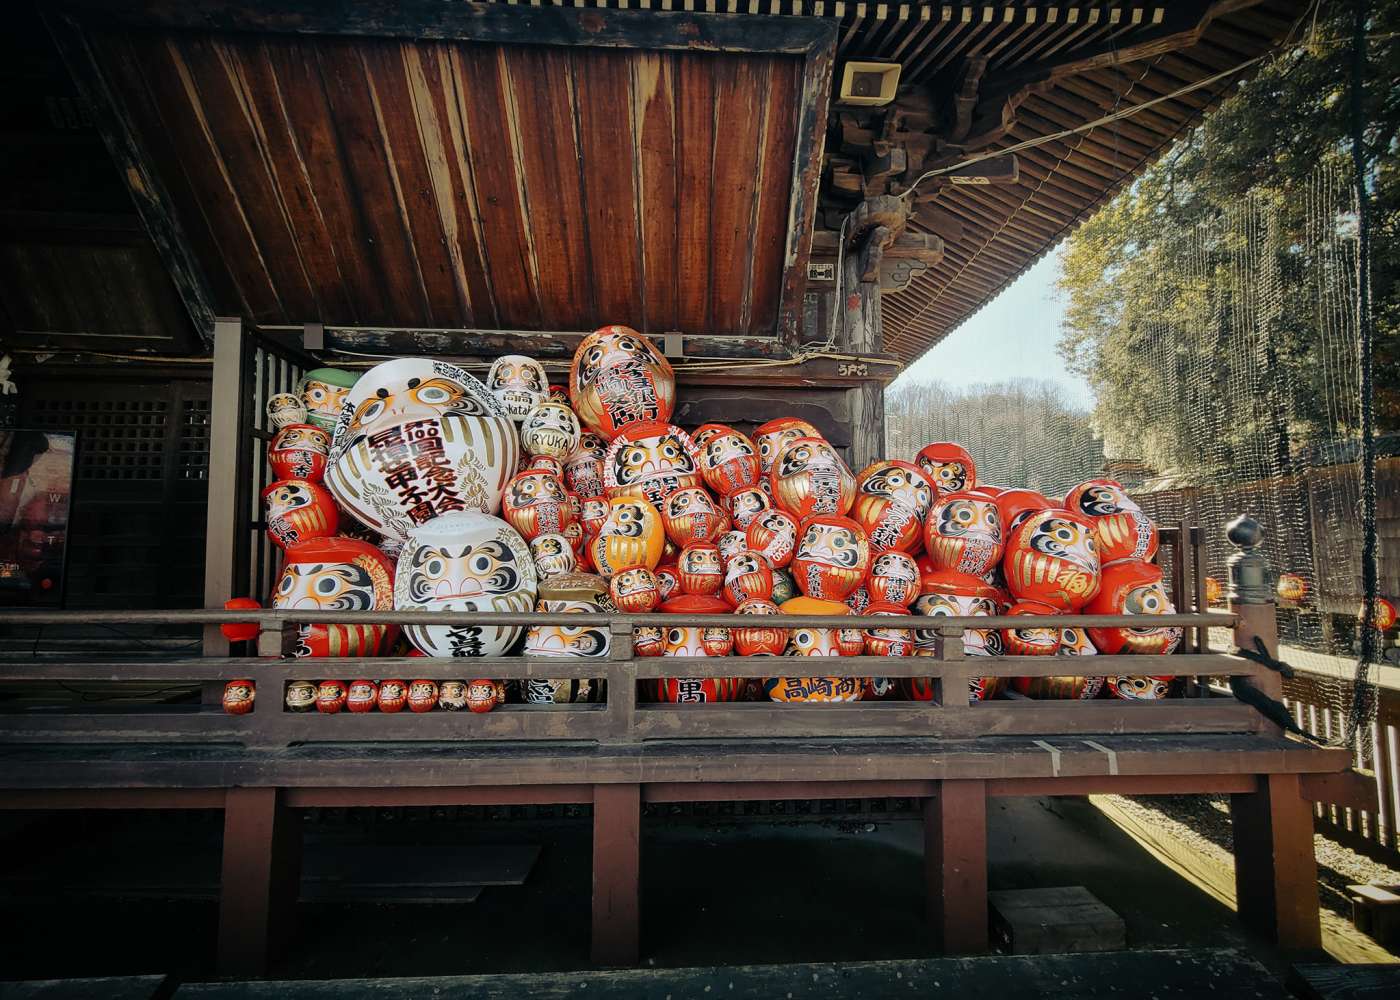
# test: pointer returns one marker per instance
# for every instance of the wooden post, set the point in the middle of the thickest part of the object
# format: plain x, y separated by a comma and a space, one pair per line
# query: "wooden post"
260, 882
225, 531
955, 865
617, 822
1252, 600
1275, 871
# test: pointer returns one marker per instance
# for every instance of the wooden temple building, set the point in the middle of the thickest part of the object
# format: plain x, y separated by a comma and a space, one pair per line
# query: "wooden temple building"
205, 199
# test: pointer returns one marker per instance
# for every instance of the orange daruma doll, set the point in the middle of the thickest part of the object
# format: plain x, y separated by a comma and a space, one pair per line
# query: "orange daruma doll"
832, 557
892, 503
629, 536
1123, 530
1053, 559
809, 477
617, 378
963, 533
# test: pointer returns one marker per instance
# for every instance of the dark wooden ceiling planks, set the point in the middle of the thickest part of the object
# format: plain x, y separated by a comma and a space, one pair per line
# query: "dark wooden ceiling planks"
412, 183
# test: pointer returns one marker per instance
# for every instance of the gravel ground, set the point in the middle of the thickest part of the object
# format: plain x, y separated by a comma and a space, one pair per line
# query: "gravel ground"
1203, 823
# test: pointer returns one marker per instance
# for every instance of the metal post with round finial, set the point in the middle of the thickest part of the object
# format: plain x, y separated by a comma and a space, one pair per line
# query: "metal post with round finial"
1252, 600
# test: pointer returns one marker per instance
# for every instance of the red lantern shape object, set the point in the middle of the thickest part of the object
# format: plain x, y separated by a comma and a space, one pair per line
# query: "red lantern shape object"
1291, 588
1130, 587
1028, 640
689, 515
482, 695
1014, 506
963, 534
894, 578
949, 466
583, 469
773, 535
747, 577
700, 569
774, 436
892, 503
1383, 616
746, 504
647, 640
299, 451
631, 535
809, 477
1123, 531
832, 557
619, 378
392, 695
651, 461
240, 631
1053, 559
361, 695
298, 509
330, 697
688, 640
337, 574
759, 640
634, 591
729, 462
536, 503
422, 695
891, 641
238, 696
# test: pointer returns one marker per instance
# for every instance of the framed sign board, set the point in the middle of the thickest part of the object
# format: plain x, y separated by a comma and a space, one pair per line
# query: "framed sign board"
36, 499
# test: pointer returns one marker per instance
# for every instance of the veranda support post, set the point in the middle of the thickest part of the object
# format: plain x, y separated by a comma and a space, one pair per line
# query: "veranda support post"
225, 539
1275, 871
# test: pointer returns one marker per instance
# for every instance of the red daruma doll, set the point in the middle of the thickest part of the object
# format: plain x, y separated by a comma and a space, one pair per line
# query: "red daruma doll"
1123, 530
892, 503
337, 574
948, 465
686, 640
1053, 559
1134, 588
298, 509
617, 378
810, 478
832, 557
729, 462
774, 436
963, 534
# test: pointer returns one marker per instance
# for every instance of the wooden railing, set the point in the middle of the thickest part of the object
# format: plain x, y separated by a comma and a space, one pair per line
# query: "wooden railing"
621, 718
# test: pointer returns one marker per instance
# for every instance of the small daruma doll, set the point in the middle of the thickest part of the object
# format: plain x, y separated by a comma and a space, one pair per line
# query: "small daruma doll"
285, 408
744, 505
323, 391
536, 503
629, 536
747, 577
1031, 640
963, 534
760, 640
583, 469
1122, 529
634, 590
700, 570
617, 378
832, 557
773, 535
550, 430
892, 503
684, 640
518, 383
651, 461
553, 555
729, 461
957, 595
337, 574
689, 515
1133, 588
466, 561
774, 436
1053, 559
893, 579
298, 509
809, 477
238, 697
948, 465
299, 451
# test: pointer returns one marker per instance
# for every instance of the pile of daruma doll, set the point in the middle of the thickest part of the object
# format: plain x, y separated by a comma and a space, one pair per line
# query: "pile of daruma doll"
415, 486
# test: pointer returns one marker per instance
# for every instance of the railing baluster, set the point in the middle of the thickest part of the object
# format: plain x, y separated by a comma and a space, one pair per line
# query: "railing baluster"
622, 685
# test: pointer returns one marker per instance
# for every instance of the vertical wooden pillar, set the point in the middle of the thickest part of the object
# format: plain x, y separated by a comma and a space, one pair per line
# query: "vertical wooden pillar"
955, 864
617, 823
226, 529
863, 334
1252, 597
1275, 871
260, 882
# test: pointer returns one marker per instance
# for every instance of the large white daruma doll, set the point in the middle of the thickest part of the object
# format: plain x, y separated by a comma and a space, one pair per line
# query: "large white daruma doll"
417, 439
464, 561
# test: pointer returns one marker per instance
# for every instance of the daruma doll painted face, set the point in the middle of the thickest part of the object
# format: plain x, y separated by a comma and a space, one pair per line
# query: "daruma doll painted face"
297, 509
689, 515
746, 504
774, 436
634, 590
1123, 530
323, 391
1133, 588
337, 574
550, 430
1014, 506
617, 378
535, 504
416, 439
704, 432
729, 462
630, 535
809, 478
700, 570
760, 640
893, 579
963, 534
518, 383
299, 451
467, 561
892, 503
651, 461
1030, 640
583, 469
568, 640
948, 465
747, 577
553, 555
285, 408
832, 557
1053, 558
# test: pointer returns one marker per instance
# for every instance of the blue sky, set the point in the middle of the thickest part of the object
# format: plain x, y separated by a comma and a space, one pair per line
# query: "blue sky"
1013, 336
